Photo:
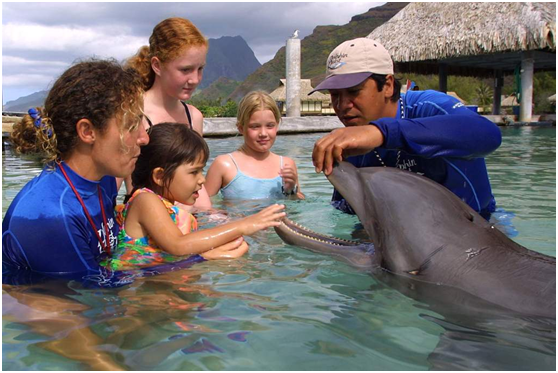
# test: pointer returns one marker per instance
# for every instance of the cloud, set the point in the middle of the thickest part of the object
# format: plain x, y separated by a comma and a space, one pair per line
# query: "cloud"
9, 61
35, 80
35, 73
84, 41
50, 36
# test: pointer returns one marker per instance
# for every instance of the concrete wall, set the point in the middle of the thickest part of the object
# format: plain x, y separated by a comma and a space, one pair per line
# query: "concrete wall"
222, 127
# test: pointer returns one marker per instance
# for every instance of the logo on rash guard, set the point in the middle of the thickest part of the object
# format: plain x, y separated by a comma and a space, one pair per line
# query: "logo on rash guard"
112, 237
407, 164
459, 104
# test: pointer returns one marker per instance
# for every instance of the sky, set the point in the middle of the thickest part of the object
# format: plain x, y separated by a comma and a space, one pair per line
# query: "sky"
41, 39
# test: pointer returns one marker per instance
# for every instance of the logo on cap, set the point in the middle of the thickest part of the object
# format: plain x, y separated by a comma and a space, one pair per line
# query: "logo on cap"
336, 65
335, 61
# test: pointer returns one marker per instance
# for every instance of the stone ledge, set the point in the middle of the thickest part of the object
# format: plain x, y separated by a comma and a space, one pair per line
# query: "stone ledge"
224, 127
215, 127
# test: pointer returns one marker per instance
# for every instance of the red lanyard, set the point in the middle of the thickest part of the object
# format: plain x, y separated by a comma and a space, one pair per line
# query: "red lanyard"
106, 246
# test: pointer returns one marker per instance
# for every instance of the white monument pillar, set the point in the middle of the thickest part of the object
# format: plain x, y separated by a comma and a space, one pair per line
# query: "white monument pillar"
526, 105
293, 76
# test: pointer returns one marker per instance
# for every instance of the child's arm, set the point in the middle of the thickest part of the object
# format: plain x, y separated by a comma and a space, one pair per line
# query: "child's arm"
289, 174
215, 175
150, 215
231, 250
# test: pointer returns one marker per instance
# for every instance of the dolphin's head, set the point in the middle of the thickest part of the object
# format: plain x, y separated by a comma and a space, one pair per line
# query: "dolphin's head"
397, 210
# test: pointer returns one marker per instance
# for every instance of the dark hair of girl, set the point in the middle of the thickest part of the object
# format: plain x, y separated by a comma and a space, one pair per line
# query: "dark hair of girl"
170, 146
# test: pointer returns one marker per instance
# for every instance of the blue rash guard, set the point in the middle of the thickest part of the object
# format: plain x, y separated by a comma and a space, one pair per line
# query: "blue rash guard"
438, 137
46, 234
46, 231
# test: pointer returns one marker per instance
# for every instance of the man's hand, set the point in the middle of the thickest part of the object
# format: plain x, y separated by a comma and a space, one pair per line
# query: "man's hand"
345, 142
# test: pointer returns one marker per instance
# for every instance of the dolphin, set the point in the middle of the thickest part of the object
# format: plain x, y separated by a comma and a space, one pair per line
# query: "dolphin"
423, 233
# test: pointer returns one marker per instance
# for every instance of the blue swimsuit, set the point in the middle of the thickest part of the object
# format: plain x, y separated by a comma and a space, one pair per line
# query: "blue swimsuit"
247, 187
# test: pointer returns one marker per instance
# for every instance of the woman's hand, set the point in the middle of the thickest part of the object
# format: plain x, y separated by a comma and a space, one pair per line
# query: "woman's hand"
271, 216
232, 250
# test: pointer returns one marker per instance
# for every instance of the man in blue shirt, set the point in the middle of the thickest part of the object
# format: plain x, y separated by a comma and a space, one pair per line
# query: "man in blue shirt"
426, 132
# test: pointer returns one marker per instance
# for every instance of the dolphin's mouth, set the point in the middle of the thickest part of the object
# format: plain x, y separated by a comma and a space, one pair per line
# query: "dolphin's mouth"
291, 230
358, 254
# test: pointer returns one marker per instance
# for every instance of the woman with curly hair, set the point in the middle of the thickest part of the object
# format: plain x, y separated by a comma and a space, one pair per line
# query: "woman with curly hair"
62, 222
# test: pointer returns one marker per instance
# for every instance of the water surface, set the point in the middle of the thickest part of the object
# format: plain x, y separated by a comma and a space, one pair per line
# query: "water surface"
284, 308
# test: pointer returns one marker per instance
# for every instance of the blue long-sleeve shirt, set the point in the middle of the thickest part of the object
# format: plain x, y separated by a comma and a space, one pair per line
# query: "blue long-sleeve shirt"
438, 137
46, 231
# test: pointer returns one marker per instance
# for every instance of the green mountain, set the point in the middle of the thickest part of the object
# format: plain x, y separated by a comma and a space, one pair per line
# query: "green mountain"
24, 103
218, 91
231, 57
315, 49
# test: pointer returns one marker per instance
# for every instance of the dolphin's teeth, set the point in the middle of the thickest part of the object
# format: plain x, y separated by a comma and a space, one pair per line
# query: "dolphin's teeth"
416, 272
314, 236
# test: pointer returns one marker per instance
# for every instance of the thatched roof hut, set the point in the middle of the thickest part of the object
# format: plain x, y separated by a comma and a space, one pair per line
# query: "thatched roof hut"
280, 93
471, 38
481, 39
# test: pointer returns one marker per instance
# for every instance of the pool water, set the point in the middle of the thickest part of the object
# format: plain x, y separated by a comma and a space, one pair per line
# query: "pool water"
281, 307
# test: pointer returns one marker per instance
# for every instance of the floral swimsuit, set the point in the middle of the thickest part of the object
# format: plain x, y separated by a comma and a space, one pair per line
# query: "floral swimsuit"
141, 252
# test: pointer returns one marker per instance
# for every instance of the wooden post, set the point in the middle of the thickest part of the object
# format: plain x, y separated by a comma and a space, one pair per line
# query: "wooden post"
443, 77
498, 84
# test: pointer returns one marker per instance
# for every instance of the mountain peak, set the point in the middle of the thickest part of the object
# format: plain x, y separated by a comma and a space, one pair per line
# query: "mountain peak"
231, 57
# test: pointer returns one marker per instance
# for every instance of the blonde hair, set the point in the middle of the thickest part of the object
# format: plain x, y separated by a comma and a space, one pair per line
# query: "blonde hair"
170, 37
252, 102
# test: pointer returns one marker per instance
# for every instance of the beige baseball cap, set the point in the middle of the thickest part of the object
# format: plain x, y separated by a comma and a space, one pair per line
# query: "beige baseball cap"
353, 61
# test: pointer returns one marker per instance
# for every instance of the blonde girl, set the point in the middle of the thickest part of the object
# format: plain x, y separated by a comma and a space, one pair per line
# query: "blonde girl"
254, 171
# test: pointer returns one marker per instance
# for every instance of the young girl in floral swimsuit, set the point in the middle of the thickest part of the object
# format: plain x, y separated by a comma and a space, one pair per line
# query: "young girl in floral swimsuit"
154, 230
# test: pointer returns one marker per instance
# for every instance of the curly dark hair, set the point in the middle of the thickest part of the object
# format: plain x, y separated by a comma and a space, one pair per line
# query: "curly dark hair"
170, 146
97, 90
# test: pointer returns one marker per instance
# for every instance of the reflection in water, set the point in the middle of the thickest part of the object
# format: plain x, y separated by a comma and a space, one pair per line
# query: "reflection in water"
284, 308
90, 326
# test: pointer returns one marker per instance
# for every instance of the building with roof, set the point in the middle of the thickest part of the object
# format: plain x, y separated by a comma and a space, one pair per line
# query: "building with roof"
316, 104
483, 39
